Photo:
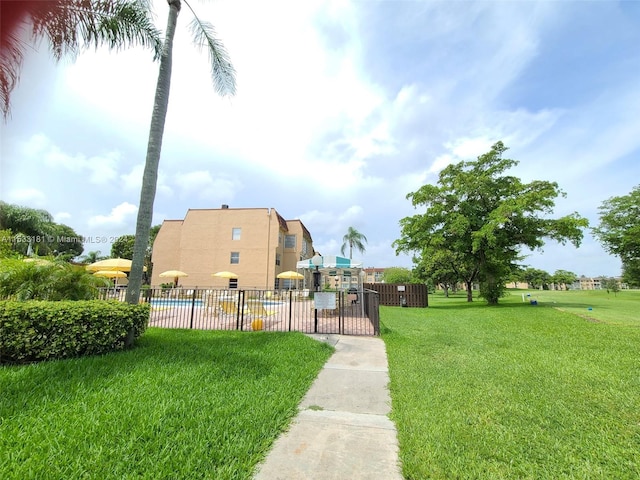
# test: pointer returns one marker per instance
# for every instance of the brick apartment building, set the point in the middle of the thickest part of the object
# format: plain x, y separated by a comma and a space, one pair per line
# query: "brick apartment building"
255, 243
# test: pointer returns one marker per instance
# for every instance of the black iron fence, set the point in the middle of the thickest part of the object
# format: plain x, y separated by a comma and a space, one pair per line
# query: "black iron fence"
346, 313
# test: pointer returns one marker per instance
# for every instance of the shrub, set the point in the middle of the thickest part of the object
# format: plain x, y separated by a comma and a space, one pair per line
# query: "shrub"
47, 280
40, 330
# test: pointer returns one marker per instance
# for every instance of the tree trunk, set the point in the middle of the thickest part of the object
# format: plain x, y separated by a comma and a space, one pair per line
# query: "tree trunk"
154, 147
469, 284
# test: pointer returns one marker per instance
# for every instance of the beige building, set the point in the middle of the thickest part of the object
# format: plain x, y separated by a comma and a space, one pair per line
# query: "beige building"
255, 243
373, 275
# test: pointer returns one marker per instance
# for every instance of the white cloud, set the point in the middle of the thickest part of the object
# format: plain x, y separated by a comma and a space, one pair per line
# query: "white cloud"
202, 185
101, 169
28, 196
60, 217
133, 179
118, 216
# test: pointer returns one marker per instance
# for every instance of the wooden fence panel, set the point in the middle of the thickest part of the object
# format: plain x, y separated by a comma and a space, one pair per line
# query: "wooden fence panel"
393, 294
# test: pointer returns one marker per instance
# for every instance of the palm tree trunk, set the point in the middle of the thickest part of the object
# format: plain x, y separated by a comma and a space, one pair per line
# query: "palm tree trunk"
154, 147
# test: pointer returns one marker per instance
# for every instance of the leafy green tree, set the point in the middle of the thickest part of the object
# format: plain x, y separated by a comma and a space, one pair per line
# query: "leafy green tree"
153, 233
122, 247
537, 278
619, 228
35, 230
631, 273
564, 278
69, 26
353, 239
438, 269
63, 242
610, 284
482, 219
7, 239
397, 275
223, 75
30, 222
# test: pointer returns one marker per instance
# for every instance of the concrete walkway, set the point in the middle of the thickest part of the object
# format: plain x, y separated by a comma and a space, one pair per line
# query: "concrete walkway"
342, 429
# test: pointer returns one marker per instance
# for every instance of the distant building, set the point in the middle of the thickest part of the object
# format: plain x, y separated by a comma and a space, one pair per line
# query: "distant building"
595, 283
255, 243
373, 275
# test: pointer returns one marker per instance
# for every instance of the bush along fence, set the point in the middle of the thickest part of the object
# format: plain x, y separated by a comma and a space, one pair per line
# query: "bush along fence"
35, 330
336, 312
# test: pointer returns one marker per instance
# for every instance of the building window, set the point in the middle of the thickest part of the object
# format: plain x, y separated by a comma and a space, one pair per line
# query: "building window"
290, 241
278, 259
235, 233
306, 248
235, 257
233, 283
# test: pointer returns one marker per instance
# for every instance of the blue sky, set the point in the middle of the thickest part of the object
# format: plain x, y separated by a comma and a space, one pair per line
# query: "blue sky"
342, 108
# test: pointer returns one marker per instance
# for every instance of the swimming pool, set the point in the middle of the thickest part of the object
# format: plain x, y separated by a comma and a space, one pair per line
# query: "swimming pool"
175, 302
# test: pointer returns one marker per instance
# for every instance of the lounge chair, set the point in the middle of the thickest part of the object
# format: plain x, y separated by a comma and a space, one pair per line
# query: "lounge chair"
229, 307
256, 308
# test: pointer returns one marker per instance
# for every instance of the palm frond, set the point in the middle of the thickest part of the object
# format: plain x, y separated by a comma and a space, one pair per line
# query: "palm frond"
72, 25
69, 26
222, 71
11, 55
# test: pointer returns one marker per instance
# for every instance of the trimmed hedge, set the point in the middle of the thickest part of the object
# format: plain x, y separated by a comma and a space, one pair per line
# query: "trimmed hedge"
39, 330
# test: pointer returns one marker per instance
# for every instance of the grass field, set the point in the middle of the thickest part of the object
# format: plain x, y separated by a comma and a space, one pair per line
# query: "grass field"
622, 308
183, 405
517, 391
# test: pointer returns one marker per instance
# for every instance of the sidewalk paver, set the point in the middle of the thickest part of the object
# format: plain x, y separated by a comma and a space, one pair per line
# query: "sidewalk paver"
342, 430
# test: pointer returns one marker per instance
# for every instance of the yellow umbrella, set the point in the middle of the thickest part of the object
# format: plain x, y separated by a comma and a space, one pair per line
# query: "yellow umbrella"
175, 274
224, 274
290, 275
121, 264
110, 274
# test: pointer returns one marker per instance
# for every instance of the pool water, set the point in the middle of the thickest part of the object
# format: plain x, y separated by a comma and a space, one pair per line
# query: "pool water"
175, 302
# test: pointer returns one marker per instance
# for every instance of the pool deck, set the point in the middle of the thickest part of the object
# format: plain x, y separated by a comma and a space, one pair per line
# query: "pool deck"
299, 316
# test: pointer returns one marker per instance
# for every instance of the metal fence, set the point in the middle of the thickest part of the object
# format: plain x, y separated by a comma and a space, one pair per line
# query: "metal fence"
352, 313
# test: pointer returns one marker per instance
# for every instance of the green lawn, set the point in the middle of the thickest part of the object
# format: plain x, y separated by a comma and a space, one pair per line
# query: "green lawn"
184, 404
622, 308
517, 391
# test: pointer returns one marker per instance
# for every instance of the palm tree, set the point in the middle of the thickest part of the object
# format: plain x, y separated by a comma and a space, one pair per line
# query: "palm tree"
92, 257
223, 76
69, 26
353, 238
49, 280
